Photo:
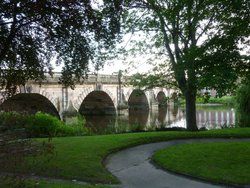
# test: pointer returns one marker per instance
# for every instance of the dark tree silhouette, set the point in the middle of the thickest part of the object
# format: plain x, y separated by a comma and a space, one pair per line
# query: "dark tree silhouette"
70, 32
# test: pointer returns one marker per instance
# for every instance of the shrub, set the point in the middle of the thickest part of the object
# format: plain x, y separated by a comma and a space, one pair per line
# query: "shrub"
42, 125
14, 146
12, 121
243, 104
45, 125
73, 127
225, 100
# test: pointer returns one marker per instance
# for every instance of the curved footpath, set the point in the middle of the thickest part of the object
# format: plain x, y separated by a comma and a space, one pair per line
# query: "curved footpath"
134, 169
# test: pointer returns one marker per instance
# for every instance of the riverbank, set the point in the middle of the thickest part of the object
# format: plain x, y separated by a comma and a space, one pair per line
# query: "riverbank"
225, 100
81, 158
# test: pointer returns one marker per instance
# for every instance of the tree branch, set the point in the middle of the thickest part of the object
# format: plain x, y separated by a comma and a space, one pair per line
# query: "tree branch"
206, 27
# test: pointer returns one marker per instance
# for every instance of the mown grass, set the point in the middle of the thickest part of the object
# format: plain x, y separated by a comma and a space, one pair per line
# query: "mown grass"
81, 158
225, 100
226, 163
65, 185
9, 182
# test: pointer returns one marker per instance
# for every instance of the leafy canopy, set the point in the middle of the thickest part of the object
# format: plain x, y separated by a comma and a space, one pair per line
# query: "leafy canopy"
33, 33
201, 41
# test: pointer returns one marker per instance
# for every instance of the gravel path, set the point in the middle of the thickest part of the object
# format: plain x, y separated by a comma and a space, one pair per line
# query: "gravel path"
134, 169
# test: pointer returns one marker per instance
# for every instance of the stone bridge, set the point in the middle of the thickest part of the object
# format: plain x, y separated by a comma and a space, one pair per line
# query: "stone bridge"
98, 94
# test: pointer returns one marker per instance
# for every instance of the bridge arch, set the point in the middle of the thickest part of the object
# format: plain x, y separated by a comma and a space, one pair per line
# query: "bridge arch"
138, 100
161, 99
29, 103
83, 94
51, 97
97, 102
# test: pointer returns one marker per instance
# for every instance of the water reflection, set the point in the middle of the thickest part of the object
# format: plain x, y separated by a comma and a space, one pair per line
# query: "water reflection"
100, 123
162, 114
138, 117
159, 118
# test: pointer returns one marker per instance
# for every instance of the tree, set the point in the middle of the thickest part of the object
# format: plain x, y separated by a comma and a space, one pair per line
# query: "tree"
243, 103
33, 33
202, 41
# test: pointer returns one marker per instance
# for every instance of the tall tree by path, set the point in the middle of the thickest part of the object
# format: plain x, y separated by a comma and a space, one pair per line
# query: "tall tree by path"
200, 40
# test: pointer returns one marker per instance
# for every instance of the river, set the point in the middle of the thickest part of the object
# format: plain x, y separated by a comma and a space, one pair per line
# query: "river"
209, 117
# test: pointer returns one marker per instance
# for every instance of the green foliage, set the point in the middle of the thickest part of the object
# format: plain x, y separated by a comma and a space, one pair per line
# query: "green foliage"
11, 120
243, 104
41, 125
149, 81
14, 144
225, 100
14, 147
15, 182
198, 41
35, 32
75, 127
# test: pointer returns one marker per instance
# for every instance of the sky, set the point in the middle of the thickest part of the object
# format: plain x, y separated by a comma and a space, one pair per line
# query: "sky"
139, 66
130, 66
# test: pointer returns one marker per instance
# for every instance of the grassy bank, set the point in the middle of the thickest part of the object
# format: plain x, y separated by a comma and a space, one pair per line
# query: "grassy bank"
225, 100
226, 163
81, 158
8, 182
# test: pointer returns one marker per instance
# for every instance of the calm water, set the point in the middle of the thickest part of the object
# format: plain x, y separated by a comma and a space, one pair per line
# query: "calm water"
210, 117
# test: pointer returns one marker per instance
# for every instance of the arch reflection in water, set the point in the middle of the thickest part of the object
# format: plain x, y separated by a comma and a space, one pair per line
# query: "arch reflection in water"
101, 124
162, 115
143, 120
138, 119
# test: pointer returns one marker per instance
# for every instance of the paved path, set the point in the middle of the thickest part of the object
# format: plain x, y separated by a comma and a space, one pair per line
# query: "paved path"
133, 167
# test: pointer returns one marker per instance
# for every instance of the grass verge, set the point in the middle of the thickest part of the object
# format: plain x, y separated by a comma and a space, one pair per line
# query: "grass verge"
81, 158
8, 182
226, 163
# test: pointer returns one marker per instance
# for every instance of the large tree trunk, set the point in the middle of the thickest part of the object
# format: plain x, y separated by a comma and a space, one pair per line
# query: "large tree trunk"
191, 110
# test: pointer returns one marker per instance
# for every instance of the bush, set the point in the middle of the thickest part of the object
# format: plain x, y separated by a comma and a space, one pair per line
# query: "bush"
225, 100
11, 121
14, 145
74, 127
42, 125
45, 125
243, 104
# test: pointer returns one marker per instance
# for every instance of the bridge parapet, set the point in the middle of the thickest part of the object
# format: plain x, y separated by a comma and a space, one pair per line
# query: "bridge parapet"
90, 79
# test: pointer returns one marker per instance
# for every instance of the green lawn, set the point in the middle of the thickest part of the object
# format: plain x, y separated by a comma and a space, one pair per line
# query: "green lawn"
81, 158
219, 162
11, 183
